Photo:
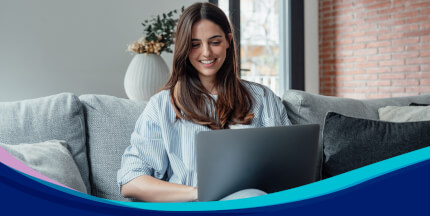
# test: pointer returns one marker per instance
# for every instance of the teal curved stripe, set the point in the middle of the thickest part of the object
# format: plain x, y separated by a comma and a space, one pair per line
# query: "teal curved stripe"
317, 189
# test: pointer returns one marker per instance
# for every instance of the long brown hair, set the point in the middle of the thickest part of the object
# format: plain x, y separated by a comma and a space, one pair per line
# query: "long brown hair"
187, 94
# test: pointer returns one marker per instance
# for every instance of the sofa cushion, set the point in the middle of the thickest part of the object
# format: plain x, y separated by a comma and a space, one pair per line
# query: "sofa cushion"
110, 122
350, 143
306, 108
57, 117
52, 159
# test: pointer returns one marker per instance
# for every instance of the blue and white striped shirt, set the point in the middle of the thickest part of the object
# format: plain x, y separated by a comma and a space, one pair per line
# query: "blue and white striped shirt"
164, 149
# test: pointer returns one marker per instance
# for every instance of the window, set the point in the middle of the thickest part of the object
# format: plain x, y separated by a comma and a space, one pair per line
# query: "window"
262, 41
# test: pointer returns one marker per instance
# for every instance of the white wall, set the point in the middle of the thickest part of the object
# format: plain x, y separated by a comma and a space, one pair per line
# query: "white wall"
78, 46
311, 46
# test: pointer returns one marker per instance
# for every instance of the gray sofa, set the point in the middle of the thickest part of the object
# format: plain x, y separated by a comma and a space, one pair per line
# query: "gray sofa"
97, 128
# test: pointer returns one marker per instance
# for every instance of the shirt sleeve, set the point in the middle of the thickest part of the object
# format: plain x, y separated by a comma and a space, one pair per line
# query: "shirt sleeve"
274, 113
146, 154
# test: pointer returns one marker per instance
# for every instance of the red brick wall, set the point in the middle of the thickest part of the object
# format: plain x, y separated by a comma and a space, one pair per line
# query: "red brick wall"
374, 49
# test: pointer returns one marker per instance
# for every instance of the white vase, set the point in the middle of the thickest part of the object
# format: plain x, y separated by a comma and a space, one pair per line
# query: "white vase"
145, 75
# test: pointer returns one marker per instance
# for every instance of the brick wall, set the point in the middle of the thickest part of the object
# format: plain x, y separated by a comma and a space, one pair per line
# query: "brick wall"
374, 49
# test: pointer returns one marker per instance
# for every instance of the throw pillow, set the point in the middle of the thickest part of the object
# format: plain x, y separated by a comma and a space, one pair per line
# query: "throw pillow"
52, 159
350, 143
404, 113
36, 120
306, 108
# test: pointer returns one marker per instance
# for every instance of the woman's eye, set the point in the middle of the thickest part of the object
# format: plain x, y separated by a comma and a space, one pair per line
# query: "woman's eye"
216, 42
195, 45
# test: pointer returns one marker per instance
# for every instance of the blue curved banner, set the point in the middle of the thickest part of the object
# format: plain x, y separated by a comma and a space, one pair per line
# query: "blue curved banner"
397, 186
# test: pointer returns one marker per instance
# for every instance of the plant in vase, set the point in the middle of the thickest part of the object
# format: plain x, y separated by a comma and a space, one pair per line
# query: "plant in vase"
147, 71
158, 34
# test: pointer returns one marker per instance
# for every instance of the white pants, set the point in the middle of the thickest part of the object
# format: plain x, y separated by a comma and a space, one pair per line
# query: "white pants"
246, 193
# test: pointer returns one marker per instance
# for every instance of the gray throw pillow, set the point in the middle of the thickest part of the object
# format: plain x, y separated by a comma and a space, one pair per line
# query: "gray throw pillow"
56, 117
52, 159
350, 143
404, 113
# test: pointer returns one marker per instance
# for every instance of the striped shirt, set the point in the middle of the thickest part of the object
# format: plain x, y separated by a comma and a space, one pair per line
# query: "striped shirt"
164, 148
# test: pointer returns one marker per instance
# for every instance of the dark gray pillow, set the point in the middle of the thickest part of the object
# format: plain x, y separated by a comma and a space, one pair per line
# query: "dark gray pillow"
306, 108
350, 143
110, 122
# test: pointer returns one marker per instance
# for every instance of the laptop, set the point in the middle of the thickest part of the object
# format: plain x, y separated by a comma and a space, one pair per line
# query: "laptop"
271, 159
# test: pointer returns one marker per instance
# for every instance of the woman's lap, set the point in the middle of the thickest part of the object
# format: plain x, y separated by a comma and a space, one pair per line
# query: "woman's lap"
246, 193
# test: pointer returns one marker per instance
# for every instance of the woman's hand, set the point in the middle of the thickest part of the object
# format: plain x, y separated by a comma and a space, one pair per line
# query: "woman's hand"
150, 189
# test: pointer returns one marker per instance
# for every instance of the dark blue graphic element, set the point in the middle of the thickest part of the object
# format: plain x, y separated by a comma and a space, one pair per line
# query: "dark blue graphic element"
402, 192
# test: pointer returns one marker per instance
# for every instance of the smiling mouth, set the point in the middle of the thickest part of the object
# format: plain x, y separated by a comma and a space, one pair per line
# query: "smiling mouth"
207, 61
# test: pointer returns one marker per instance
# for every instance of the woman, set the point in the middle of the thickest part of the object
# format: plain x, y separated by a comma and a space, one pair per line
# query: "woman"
203, 93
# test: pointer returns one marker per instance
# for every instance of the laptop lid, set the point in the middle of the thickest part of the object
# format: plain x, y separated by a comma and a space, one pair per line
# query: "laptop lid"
271, 159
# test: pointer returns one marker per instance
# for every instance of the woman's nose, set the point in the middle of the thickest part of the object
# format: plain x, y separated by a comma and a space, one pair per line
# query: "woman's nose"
207, 52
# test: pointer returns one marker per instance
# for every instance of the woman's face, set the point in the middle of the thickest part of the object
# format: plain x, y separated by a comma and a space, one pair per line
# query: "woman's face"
208, 49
